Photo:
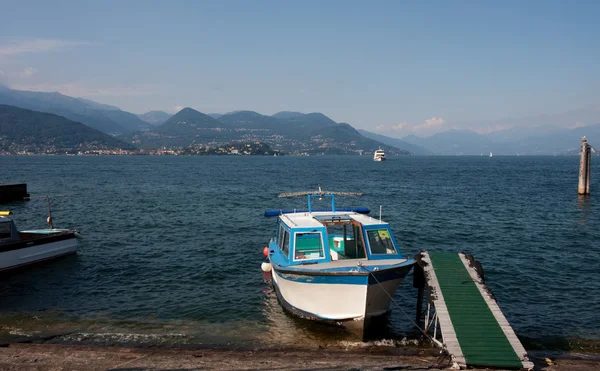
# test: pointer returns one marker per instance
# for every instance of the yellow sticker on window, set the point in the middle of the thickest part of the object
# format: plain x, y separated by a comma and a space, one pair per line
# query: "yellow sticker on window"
383, 234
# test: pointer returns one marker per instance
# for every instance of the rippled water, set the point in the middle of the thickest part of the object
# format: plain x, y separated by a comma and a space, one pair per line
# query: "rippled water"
171, 246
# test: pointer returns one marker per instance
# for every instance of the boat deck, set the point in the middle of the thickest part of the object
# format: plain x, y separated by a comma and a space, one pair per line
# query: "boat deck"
474, 329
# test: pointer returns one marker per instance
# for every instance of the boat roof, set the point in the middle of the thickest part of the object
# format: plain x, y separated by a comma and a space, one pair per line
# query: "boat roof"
317, 219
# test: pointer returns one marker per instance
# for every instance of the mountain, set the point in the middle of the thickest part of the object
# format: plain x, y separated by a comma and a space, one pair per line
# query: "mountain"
549, 134
215, 115
250, 120
24, 130
343, 138
314, 119
460, 142
560, 142
154, 117
106, 118
185, 128
520, 128
286, 115
312, 133
398, 143
97, 105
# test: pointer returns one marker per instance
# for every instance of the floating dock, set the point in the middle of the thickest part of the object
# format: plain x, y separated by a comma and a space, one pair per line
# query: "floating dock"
474, 330
13, 192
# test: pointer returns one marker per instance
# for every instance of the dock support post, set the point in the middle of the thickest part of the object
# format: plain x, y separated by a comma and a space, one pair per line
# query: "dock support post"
419, 283
419, 305
584, 168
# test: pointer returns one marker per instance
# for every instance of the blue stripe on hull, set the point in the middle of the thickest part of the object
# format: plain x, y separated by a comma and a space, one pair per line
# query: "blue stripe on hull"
388, 275
334, 280
379, 276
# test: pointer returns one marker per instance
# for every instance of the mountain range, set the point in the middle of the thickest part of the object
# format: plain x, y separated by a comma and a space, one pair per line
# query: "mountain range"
26, 131
106, 118
313, 133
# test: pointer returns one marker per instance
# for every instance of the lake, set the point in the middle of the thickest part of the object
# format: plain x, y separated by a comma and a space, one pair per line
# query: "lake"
171, 247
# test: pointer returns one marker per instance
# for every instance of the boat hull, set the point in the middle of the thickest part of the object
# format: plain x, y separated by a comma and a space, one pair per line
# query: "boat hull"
38, 250
348, 300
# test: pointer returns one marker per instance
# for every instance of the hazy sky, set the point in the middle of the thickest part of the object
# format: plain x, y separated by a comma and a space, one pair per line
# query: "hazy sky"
396, 67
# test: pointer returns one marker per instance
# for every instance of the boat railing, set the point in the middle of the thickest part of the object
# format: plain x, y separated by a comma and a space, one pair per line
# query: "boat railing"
320, 194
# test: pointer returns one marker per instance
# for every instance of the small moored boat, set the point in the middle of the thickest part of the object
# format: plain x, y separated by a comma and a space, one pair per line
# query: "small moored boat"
22, 248
339, 265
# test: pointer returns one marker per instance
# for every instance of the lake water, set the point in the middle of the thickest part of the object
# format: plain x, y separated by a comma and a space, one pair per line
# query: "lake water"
171, 246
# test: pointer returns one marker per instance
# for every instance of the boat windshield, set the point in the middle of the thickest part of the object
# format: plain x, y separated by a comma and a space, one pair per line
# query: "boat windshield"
283, 240
5, 230
380, 242
309, 245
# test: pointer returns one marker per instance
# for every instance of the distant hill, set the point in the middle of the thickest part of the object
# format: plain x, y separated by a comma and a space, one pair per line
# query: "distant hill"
187, 121
100, 106
550, 134
310, 133
250, 120
398, 143
154, 117
286, 115
24, 130
106, 118
215, 115
314, 119
343, 138
553, 142
183, 129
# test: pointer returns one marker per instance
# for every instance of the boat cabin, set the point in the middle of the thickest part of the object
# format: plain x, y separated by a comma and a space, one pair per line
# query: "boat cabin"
322, 237
8, 230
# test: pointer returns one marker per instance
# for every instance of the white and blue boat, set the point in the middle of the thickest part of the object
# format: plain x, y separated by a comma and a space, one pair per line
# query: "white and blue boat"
338, 265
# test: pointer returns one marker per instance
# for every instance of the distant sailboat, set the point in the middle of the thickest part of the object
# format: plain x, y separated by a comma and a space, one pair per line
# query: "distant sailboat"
491, 154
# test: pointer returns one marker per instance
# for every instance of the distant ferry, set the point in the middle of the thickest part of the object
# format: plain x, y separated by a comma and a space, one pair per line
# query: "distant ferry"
379, 155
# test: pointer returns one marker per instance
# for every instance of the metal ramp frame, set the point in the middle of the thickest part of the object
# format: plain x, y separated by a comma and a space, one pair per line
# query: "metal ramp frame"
473, 329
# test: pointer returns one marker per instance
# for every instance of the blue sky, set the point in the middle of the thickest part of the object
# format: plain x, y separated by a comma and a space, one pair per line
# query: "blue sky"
396, 67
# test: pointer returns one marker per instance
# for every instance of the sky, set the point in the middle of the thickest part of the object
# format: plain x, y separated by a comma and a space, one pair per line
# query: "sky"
393, 67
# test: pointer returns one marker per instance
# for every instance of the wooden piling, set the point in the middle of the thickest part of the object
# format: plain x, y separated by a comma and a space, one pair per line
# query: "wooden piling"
584, 167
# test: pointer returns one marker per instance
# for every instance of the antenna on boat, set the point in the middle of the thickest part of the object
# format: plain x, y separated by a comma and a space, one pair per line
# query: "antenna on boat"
49, 219
379, 213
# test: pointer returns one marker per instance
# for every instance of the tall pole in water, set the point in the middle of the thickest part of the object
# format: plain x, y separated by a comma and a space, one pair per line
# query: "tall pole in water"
584, 168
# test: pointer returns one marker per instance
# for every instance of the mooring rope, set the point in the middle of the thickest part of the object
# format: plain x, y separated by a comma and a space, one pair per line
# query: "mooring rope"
435, 341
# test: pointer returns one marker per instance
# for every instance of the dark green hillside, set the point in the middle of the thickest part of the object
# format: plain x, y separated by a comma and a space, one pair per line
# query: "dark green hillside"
23, 130
315, 118
106, 118
345, 137
187, 127
306, 123
251, 120
188, 121
286, 115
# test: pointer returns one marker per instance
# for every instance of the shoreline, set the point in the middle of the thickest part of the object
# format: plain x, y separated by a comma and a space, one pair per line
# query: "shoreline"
19, 356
